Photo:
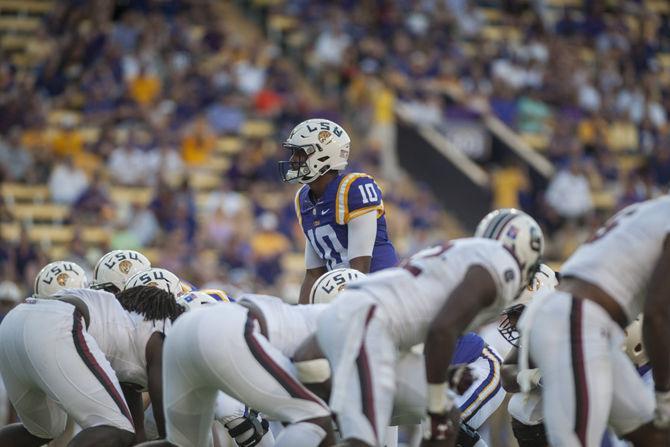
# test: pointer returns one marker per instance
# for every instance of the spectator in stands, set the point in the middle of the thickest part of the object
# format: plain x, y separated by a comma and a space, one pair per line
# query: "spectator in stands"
125, 165
15, 159
267, 246
68, 140
198, 143
94, 206
569, 192
66, 182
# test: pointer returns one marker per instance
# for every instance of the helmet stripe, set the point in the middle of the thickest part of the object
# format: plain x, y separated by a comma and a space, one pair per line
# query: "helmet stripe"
503, 223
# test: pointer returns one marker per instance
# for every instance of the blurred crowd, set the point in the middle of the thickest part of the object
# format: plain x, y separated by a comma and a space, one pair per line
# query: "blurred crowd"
588, 84
140, 94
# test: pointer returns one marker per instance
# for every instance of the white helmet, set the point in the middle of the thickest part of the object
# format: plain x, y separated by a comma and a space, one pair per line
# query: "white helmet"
634, 346
156, 277
323, 146
57, 276
544, 279
199, 298
326, 288
520, 234
113, 269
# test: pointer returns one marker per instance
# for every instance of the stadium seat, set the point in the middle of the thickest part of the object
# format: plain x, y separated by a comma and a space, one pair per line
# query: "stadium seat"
26, 6
46, 212
16, 23
229, 145
200, 181
257, 129
19, 192
140, 195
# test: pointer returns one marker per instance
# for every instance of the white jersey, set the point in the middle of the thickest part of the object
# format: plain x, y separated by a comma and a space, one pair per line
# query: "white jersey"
287, 325
121, 335
412, 295
621, 256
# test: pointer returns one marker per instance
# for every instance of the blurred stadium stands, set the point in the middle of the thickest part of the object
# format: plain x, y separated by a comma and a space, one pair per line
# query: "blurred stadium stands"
156, 124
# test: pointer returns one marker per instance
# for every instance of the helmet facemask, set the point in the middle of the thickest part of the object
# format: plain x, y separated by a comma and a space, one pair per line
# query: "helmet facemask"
297, 169
507, 326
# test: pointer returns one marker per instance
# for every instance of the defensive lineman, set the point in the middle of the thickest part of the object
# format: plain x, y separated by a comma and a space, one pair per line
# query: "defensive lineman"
576, 334
342, 215
439, 294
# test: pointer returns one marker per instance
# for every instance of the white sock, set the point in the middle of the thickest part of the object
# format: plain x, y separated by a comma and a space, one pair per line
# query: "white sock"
301, 434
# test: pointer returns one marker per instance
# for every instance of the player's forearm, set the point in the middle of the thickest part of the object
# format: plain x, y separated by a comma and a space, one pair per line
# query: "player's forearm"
362, 264
656, 325
136, 407
438, 350
656, 330
509, 371
311, 276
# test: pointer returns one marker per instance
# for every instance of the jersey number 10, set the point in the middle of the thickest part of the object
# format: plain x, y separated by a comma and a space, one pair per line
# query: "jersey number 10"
324, 240
368, 193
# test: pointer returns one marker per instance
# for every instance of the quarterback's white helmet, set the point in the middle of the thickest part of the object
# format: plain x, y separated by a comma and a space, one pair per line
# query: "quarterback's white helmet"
57, 276
113, 269
634, 346
544, 279
156, 277
317, 146
326, 288
520, 234
198, 298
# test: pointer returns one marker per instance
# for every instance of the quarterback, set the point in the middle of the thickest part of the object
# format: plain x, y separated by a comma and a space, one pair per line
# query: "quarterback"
342, 215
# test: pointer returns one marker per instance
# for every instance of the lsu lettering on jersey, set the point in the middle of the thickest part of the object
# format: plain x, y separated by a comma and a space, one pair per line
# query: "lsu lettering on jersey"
324, 221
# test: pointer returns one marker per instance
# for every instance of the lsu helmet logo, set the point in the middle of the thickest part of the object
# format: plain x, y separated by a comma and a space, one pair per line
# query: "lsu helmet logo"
125, 266
323, 136
62, 278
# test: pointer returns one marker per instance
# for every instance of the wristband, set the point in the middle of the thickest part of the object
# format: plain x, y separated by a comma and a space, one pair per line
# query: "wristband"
439, 398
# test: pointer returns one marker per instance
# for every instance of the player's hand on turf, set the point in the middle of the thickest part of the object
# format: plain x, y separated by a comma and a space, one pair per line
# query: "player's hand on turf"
460, 377
441, 430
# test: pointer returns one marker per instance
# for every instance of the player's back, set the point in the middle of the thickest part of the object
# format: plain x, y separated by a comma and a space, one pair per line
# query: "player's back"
620, 257
412, 295
287, 325
122, 336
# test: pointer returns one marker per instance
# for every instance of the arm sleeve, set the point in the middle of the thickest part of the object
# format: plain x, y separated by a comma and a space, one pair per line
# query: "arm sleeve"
357, 194
362, 232
312, 259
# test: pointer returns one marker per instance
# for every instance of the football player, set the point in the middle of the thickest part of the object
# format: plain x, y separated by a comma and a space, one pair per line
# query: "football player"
342, 215
476, 402
439, 294
576, 333
56, 276
525, 408
114, 268
245, 426
254, 367
69, 354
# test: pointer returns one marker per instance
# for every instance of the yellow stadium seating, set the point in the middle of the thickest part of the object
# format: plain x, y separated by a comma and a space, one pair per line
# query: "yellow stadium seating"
19, 192
50, 212
131, 194
26, 6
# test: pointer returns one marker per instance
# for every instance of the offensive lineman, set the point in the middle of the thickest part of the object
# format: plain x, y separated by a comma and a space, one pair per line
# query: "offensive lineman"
438, 295
62, 351
576, 333
342, 215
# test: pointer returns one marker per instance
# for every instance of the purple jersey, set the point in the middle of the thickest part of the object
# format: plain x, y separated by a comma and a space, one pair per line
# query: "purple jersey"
324, 222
